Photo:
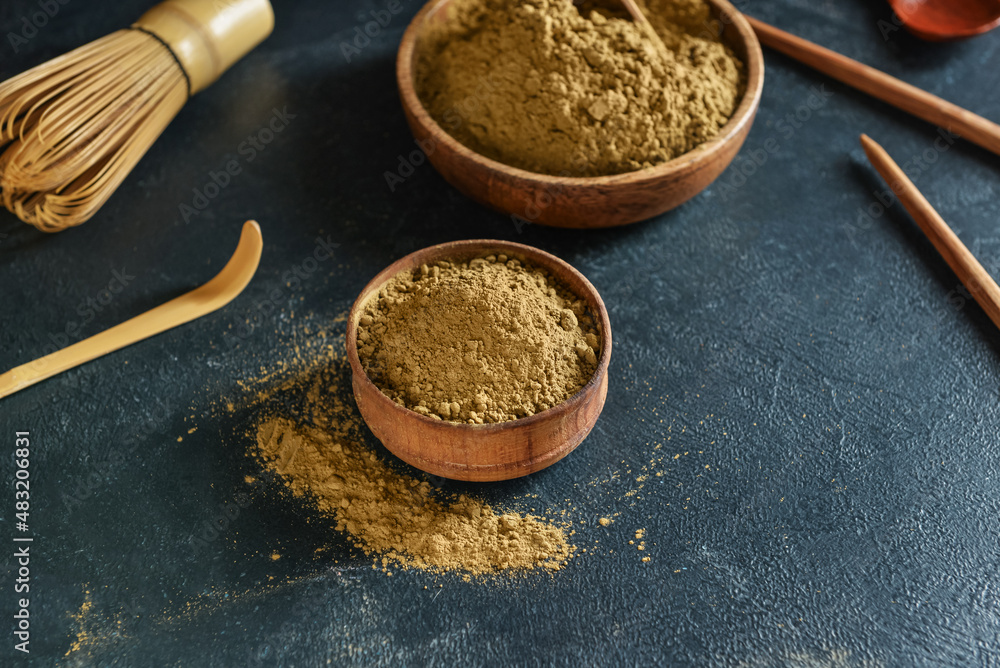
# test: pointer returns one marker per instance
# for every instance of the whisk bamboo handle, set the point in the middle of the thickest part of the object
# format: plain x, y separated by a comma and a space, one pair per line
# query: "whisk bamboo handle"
207, 38
73, 128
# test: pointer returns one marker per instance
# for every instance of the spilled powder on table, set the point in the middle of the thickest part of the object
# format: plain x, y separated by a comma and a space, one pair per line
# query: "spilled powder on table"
93, 629
98, 631
305, 395
311, 434
680, 468
308, 388
306, 410
84, 626
399, 518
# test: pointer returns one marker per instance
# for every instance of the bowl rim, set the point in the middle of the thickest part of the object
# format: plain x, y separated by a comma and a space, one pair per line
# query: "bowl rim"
571, 404
723, 12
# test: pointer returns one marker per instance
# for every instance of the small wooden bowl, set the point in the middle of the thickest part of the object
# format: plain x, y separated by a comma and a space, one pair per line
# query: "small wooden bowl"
482, 452
582, 202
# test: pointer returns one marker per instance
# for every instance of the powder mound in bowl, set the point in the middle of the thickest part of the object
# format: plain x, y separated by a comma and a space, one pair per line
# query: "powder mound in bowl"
482, 341
552, 88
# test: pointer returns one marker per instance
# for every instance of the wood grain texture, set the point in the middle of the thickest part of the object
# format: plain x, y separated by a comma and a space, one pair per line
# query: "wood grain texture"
582, 202
485, 452
880, 85
974, 277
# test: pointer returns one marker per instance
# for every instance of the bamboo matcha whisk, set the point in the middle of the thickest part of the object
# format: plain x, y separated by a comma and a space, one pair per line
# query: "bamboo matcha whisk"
73, 128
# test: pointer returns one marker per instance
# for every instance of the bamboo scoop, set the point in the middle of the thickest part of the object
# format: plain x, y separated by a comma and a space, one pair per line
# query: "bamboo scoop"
880, 85
975, 279
201, 301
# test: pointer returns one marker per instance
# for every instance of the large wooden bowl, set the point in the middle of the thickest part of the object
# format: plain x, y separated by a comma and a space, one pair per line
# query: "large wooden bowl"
488, 451
600, 201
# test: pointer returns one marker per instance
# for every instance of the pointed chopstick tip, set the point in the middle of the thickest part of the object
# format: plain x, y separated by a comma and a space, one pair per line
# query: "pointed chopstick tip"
868, 143
878, 157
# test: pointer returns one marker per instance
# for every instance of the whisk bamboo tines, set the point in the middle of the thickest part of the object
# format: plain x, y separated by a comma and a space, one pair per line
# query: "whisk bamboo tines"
73, 128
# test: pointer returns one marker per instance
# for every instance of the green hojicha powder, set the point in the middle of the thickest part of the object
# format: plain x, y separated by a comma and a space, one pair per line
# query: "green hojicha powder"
578, 91
488, 340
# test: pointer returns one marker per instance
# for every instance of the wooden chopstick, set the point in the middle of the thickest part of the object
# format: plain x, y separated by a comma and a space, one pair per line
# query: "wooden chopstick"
880, 85
975, 279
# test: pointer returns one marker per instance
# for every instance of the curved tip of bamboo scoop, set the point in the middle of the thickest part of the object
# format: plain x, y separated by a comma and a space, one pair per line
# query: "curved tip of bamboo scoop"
241, 266
211, 296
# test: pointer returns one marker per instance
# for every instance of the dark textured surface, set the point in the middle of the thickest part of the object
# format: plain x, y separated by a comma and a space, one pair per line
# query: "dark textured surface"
839, 400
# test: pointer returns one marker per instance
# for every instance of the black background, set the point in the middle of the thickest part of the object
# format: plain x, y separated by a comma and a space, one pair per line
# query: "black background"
822, 365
